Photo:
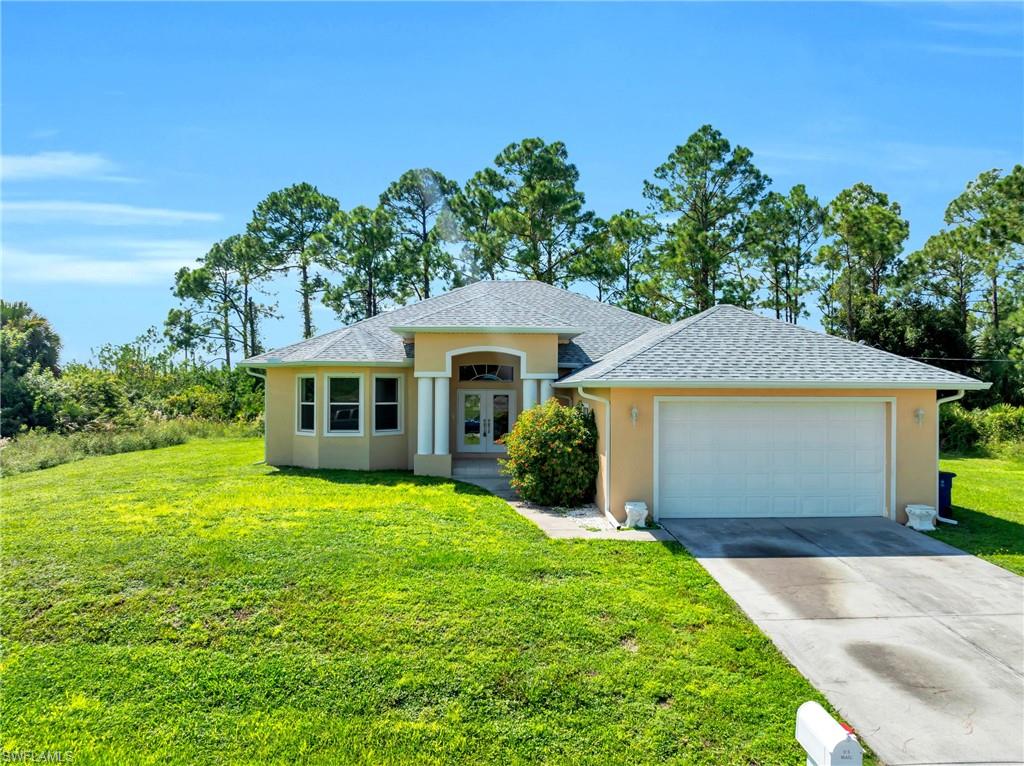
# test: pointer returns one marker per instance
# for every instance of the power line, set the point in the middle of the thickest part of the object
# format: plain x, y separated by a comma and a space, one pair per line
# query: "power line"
962, 359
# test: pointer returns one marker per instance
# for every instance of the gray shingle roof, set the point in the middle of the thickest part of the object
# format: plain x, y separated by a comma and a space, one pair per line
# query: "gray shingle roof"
729, 345
489, 303
485, 311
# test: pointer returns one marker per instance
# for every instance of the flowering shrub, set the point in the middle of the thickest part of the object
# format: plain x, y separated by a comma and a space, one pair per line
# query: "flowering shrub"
552, 455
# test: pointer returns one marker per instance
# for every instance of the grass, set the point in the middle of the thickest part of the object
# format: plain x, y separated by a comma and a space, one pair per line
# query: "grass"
189, 605
38, 449
988, 500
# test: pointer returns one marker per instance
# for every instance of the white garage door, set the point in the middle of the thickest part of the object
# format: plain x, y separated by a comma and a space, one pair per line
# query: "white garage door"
770, 458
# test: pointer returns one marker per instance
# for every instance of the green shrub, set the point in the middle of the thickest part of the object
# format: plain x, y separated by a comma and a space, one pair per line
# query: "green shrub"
552, 455
37, 449
95, 398
996, 428
199, 401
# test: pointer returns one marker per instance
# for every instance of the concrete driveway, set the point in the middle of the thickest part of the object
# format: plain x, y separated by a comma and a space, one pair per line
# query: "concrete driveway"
918, 645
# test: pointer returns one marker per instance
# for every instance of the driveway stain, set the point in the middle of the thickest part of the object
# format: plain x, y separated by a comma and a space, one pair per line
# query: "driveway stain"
915, 672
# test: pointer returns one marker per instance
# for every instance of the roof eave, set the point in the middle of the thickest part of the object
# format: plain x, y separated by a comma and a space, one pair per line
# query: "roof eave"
327, 363
973, 385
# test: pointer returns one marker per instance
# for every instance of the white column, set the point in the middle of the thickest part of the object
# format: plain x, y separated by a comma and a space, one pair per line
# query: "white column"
424, 415
529, 393
441, 416
546, 391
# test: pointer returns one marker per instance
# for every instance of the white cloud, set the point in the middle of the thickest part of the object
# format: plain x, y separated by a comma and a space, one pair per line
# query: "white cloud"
973, 50
134, 262
44, 166
894, 156
99, 213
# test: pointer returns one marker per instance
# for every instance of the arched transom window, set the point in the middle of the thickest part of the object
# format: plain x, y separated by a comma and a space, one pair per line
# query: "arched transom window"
502, 372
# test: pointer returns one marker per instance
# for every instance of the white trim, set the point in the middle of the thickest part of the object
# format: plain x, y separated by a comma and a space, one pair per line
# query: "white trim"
838, 384
327, 403
298, 405
890, 400
607, 453
328, 363
523, 375
400, 376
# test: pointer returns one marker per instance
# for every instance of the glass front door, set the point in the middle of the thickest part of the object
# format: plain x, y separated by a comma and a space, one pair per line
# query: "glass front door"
485, 418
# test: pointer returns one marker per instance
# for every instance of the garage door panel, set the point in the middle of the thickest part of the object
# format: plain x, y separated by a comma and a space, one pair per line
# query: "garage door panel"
775, 458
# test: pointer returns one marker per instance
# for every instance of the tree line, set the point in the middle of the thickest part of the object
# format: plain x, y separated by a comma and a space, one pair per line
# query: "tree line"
713, 231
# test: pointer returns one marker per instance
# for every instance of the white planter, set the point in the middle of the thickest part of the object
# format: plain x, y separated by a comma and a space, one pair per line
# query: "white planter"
636, 514
921, 517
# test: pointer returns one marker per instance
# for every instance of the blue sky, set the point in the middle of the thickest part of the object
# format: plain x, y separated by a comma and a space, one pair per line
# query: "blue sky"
136, 135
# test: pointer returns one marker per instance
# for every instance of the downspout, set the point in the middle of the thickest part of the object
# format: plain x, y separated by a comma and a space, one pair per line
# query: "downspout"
607, 453
938, 403
266, 401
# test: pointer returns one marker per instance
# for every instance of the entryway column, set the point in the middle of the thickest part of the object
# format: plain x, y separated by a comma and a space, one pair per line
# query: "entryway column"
424, 415
441, 416
529, 393
546, 390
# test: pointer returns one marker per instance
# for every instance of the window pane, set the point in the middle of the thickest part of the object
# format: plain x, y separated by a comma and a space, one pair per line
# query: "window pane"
344, 417
387, 417
471, 420
306, 414
504, 372
386, 389
345, 390
307, 387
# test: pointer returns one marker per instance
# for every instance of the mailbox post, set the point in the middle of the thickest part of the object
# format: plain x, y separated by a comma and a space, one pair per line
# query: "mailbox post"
827, 743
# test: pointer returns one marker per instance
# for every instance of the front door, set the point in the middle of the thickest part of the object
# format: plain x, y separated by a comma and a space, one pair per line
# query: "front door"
485, 417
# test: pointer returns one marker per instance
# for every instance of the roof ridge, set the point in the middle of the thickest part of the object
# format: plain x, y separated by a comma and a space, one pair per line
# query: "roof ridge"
586, 298
674, 329
448, 306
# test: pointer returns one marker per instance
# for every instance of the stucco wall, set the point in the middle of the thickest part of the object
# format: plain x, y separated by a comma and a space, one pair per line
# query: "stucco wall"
287, 447
541, 349
632, 455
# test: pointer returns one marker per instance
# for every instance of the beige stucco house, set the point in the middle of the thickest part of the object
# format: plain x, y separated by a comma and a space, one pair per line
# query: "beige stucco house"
724, 414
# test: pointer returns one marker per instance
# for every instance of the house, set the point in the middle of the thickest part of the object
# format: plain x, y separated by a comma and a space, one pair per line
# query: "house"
726, 413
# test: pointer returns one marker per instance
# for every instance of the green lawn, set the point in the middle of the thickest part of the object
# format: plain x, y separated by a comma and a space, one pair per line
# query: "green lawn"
988, 500
187, 605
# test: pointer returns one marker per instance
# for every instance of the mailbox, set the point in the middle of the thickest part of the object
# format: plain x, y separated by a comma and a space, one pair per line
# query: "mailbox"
826, 741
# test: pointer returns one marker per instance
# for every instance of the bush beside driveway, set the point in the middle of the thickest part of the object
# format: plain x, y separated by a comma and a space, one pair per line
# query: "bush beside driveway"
188, 604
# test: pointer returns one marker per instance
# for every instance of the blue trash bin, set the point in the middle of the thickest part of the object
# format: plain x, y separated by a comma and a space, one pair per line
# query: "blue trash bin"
946, 493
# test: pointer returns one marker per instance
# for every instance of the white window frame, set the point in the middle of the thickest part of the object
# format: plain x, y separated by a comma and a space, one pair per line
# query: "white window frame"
299, 404
401, 404
327, 403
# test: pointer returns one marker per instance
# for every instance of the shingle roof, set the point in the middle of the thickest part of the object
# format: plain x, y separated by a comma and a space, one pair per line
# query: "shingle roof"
488, 303
729, 345
483, 311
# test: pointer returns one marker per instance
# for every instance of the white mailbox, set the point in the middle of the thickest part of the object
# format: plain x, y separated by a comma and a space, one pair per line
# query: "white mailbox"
827, 743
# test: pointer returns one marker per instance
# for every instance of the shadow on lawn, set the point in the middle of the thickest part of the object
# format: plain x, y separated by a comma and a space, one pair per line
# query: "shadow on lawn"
374, 478
984, 534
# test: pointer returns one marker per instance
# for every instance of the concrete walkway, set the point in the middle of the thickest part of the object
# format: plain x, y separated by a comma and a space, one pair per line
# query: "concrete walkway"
918, 645
587, 522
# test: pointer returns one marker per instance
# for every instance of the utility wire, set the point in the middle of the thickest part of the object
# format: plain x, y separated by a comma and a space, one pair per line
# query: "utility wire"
962, 359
